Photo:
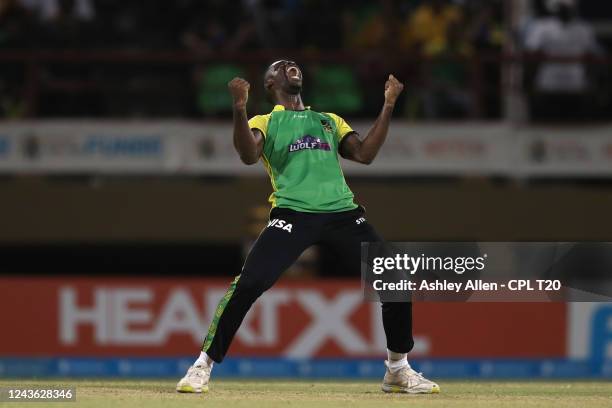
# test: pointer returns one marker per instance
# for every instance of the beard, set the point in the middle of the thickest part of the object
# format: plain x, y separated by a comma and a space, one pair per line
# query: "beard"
292, 88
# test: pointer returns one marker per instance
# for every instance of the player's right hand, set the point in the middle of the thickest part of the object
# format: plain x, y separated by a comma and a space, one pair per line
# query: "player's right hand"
239, 88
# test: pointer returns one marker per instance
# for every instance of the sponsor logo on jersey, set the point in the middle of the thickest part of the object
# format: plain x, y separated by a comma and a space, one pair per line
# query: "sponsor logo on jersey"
282, 224
309, 143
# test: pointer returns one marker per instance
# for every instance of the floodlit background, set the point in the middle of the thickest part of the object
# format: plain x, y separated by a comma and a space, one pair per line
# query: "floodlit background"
124, 210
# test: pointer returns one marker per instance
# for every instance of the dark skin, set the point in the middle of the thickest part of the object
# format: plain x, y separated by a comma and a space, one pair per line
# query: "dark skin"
283, 82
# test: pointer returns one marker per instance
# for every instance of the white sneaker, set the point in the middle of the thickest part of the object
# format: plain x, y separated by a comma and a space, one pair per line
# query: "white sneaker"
406, 380
196, 379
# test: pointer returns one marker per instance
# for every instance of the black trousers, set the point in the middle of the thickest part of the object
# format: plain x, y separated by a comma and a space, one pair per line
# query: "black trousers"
288, 234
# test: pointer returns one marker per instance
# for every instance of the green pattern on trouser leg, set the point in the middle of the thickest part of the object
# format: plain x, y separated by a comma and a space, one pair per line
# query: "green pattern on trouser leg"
218, 312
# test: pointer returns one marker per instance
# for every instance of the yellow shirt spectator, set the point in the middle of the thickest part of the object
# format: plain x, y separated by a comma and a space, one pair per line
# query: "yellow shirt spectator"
428, 27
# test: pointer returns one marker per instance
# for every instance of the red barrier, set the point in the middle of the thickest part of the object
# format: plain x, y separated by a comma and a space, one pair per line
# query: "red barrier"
169, 317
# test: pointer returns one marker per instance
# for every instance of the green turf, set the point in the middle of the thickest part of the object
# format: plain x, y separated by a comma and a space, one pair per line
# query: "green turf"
311, 394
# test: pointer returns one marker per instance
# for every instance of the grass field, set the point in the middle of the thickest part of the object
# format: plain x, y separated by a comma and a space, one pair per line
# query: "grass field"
311, 394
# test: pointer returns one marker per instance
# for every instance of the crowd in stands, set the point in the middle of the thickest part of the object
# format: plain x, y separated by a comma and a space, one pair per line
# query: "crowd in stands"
219, 25
571, 90
435, 38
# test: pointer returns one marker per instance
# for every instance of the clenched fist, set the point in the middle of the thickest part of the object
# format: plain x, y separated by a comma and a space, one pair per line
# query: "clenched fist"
393, 88
239, 88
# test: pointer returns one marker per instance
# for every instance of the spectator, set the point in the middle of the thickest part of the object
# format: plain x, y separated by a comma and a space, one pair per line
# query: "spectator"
216, 28
16, 30
561, 88
368, 25
48, 10
447, 95
67, 28
427, 28
275, 22
207, 36
15, 25
485, 29
487, 35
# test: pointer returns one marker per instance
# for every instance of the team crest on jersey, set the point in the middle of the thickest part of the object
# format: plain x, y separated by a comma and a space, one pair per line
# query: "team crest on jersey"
309, 143
327, 126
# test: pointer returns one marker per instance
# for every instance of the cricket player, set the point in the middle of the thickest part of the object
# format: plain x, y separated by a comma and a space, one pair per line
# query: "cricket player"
311, 204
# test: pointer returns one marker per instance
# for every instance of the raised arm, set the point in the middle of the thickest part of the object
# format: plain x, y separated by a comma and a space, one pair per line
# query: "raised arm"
248, 143
364, 151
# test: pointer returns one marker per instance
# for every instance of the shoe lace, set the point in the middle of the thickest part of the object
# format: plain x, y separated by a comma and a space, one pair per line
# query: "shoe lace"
197, 371
410, 372
415, 373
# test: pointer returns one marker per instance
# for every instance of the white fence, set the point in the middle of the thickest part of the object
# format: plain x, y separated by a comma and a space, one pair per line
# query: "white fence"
179, 147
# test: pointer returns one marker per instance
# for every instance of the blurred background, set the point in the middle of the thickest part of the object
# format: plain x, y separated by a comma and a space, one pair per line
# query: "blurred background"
125, 210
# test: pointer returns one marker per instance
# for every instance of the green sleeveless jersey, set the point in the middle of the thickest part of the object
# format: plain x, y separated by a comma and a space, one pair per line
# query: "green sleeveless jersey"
300, 154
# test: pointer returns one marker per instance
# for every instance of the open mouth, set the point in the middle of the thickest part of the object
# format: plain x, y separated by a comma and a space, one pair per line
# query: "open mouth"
294, 73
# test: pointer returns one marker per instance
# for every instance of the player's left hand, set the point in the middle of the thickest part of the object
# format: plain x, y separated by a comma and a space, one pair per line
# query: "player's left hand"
393, 89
